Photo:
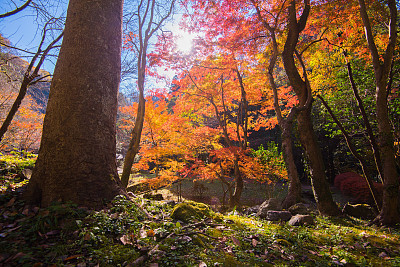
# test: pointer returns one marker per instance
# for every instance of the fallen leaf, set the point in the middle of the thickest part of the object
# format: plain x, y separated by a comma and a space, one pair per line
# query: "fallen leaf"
73, 257
235, 241
142, 233
254, 242
25, 212
86, 237
54, 232
11, 202
150, 233
383, 255
125, 240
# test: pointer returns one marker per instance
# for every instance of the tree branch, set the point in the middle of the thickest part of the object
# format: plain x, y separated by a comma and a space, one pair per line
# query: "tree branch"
16, 10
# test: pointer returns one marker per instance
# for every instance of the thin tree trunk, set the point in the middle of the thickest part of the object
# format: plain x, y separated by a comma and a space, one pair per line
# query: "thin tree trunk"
77, 156
27, 81
368, 127
235, 200
377, 198
147, 26
134, 143
285, 124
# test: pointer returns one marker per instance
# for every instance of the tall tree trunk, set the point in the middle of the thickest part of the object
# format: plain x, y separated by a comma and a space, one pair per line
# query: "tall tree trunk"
389, 214
322, 194
76, 159
285, 124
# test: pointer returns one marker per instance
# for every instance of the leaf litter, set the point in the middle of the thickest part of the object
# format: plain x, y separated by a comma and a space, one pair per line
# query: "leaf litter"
140, 232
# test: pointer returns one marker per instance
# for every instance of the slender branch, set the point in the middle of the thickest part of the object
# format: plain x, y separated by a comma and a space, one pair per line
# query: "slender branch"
16, 10
367, 124
369, 35
353, 151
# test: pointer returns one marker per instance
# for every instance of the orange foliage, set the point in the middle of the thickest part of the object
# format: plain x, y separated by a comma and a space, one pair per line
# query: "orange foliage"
25, 130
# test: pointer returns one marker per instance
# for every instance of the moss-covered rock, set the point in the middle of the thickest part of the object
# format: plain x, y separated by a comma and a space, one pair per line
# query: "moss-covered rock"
190, 210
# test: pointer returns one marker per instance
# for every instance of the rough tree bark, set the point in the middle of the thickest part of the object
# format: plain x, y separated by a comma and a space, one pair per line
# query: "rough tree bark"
389, 214
322, 194
76, 159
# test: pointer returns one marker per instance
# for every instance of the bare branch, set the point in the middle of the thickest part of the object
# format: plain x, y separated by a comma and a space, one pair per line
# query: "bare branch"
16, 10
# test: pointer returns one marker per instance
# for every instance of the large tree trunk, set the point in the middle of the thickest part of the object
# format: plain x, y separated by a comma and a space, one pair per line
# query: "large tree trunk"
322, 194
76, 159
390, 210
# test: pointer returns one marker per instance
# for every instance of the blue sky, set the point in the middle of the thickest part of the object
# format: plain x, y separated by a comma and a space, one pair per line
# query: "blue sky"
24, 29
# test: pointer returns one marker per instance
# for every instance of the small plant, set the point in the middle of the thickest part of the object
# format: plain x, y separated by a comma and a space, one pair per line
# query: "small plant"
11, 167
271, 159
16, 161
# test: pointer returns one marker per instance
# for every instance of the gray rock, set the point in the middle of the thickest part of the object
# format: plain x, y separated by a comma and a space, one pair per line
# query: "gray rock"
274, 215
299, 208
270, 204
361, 211
251, 210
299, 220
153, 196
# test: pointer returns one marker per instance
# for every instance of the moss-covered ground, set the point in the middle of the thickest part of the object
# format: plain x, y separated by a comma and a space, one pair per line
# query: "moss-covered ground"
141, 232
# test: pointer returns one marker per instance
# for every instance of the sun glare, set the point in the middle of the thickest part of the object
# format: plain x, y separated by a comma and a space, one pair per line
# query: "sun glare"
184, 41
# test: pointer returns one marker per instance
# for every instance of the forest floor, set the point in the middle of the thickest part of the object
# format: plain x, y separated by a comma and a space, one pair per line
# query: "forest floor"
143, 232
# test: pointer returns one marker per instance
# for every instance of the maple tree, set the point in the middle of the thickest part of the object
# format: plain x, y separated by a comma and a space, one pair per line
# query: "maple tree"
389, 214
149, 16
220, 87
224, 29
285, 123
167, 140
346, 42
24, 132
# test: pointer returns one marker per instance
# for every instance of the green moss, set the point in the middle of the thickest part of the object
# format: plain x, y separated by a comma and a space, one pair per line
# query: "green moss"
190, 210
